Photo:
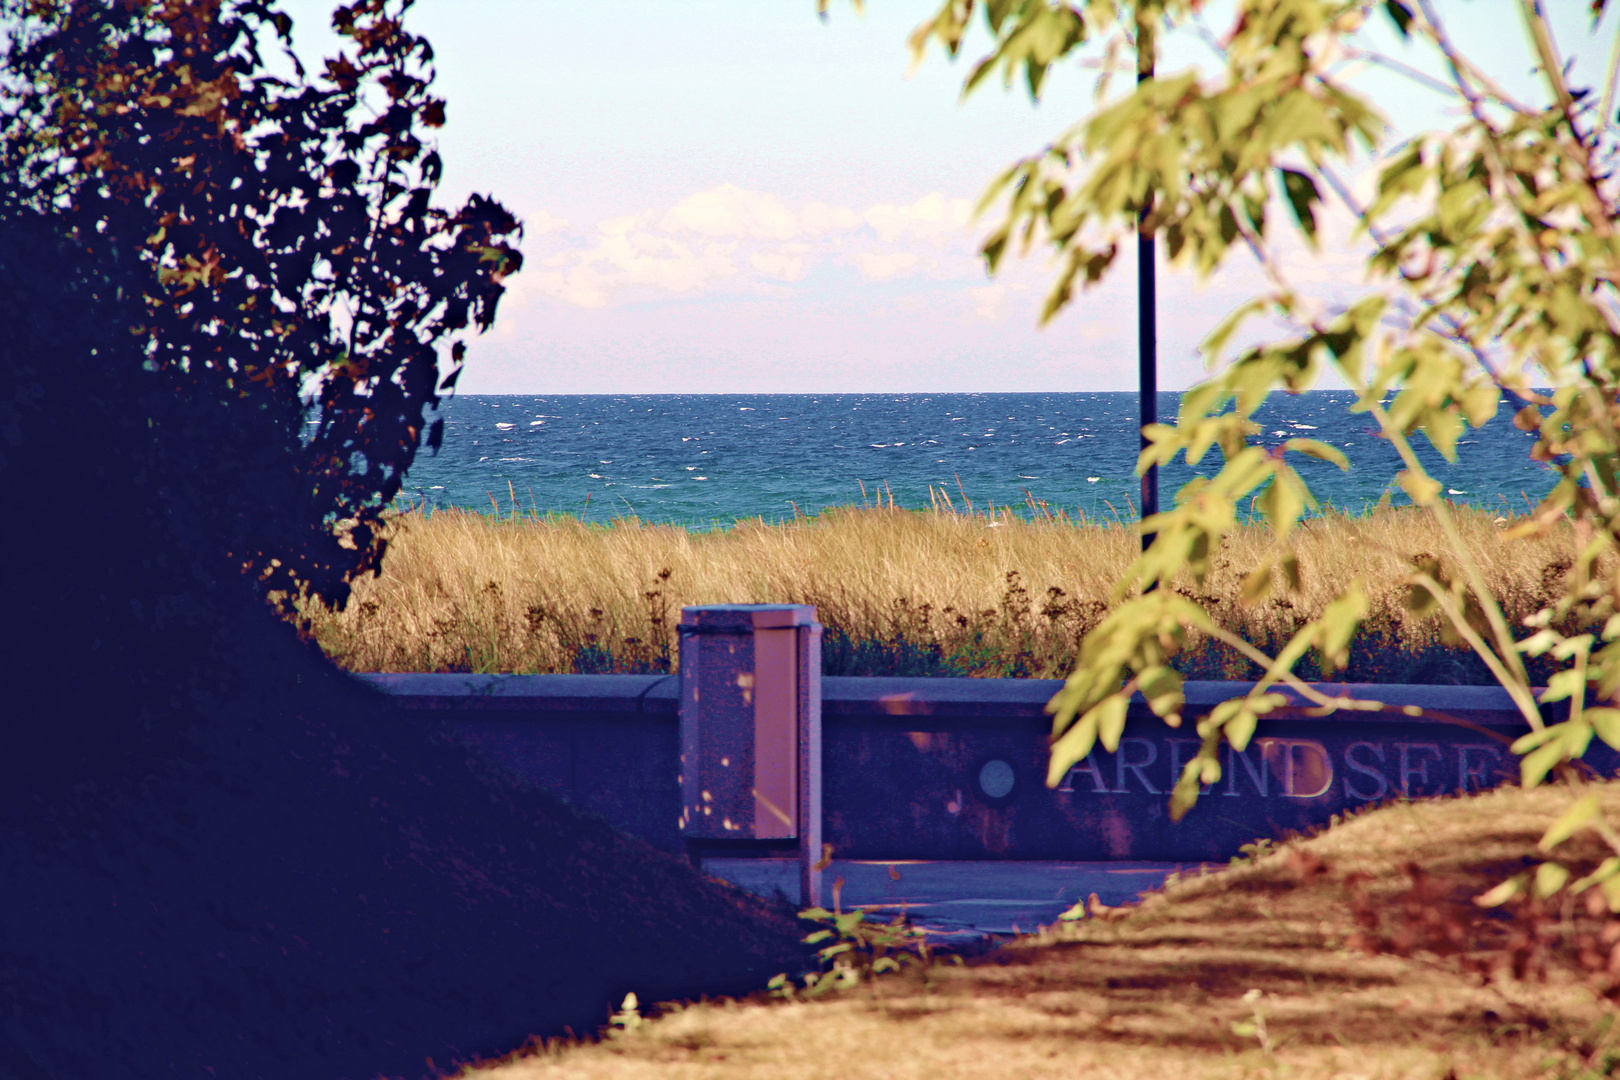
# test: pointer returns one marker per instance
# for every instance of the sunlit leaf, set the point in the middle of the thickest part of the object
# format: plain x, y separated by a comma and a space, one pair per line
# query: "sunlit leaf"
1550, 877
1504, 892
1585, 809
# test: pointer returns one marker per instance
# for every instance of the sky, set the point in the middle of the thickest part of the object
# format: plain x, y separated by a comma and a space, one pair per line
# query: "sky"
733, 196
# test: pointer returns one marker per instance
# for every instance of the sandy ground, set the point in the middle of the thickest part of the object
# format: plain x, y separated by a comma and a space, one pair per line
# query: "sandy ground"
1259, 970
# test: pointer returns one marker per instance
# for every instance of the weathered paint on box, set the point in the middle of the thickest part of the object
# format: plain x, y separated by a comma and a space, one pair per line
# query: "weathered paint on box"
749, 765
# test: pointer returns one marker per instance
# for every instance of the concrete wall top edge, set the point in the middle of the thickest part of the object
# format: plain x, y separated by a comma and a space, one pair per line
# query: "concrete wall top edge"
901, 698
943, 699
552, 693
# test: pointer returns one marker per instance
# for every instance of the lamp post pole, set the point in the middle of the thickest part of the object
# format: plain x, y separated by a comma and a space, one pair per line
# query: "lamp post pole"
1146, 304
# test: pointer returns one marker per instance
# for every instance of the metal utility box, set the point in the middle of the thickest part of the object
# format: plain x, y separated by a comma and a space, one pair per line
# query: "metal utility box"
750, 720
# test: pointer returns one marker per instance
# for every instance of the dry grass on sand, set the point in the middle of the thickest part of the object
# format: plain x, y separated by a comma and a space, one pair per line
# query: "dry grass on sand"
996, 598
1253, 971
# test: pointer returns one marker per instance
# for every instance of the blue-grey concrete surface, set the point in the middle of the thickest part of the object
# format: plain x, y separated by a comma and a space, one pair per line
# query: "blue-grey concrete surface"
951, 770
657, 694
952, 898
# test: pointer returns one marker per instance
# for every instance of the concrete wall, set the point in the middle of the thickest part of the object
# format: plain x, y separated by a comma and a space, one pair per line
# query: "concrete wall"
910, 766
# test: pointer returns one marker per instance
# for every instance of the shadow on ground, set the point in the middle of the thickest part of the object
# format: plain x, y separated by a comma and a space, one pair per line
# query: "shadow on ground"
312, 888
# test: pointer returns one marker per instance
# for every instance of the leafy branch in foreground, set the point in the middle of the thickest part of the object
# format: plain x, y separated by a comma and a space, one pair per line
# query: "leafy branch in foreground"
1491, 275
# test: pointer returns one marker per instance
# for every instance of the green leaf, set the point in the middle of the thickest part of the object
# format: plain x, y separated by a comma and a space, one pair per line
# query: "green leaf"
1111, 721
1405, 175
1184, 796
1216, 341
1319, 450
1550, 877
1563, 684
1611, 892
1584, 810
1400, 15
1072, 748
1543, 640
1535, 766
1339, 622
1525, 743
1290, 569
1256, 584
1300, 190
1161, 686
1606, 871
1422, 489
1504, 892
1240, 729
1606, 722
1283, 504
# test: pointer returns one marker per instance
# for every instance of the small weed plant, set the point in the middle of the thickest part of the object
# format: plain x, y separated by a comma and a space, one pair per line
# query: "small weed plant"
857, 947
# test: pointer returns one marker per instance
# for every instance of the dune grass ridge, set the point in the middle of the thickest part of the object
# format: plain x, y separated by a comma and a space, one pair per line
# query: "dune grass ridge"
946, 591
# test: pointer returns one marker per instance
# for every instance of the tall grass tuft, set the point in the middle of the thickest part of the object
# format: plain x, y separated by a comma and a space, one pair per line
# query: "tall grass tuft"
947, 591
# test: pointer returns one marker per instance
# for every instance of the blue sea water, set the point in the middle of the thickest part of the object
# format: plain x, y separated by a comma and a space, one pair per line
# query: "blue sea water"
708, 460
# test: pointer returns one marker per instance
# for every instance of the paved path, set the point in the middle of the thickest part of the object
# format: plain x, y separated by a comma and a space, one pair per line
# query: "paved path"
958, 897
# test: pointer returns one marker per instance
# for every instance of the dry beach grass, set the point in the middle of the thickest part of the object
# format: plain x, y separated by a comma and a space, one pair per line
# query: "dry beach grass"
1258, 970
946, 592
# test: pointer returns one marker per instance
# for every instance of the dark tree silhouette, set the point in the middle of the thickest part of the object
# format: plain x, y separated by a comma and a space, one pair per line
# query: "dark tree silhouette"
249, 268
224, 297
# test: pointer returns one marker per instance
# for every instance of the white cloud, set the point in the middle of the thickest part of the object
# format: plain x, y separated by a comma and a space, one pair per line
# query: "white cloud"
628, 254
779, 265
751, 241
818, 218
729, 210
933, 219
880, 266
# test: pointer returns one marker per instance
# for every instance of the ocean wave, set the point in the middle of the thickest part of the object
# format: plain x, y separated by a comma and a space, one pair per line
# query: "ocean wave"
816, 442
